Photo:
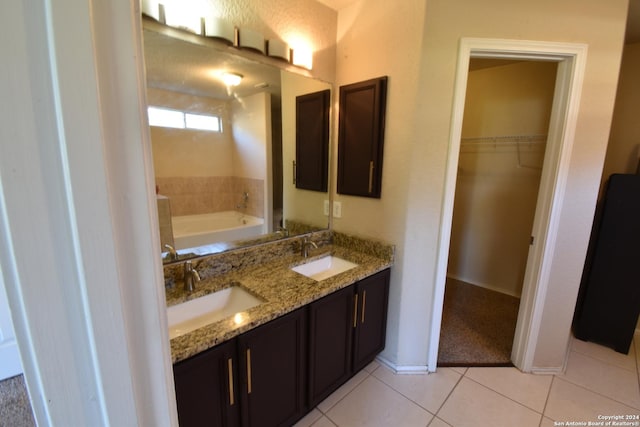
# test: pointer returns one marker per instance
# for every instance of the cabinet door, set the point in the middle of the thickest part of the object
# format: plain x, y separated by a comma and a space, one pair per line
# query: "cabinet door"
372, 296
206, 388
361, 137
312, 140
273, 369
330, 341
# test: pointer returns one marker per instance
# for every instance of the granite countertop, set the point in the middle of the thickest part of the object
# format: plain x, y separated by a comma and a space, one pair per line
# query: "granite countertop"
282, 289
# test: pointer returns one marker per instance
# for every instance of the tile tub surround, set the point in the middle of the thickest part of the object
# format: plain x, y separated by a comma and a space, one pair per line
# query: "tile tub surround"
266, 272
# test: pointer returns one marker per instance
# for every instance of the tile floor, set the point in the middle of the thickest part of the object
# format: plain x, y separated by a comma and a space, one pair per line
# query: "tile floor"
598, 382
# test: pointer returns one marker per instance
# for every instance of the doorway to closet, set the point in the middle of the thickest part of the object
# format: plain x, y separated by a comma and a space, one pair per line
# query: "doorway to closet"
504, 133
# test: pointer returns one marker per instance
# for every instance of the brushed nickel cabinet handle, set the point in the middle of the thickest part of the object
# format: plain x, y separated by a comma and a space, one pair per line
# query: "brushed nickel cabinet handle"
370, 176
355, 311
249, 371
364, 302
294, 172
230, 376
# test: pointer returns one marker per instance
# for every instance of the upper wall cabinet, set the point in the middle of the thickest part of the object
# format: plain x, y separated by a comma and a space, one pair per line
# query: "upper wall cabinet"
361, 137
312, 140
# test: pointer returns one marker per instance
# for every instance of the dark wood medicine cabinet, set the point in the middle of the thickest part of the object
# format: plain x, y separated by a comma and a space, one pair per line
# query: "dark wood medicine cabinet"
361, 137
312, 141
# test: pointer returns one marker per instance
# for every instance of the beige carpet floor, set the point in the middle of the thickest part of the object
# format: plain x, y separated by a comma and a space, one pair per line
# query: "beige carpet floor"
478, 326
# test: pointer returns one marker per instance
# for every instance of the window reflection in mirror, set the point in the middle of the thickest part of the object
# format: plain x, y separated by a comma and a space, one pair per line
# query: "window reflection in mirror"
232, 187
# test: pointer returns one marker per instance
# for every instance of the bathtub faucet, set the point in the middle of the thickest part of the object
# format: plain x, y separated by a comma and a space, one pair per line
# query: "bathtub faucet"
191, 277
244, 201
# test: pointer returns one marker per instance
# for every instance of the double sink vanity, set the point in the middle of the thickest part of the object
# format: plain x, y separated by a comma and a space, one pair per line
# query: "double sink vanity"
268, 333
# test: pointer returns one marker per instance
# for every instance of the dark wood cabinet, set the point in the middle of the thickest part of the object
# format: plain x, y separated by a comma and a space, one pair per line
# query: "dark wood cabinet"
312, 141
347, 330
372, 296
330, 342
206, 388
273, 374
273, 360
361, 137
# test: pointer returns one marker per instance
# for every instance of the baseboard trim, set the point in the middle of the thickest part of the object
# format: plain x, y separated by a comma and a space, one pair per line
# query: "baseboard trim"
484, 285
547, 371
403, 369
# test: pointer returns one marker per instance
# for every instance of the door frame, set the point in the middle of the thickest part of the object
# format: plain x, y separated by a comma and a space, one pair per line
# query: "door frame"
571, 60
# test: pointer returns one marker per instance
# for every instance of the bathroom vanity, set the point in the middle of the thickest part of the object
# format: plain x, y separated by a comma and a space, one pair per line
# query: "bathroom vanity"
273, 362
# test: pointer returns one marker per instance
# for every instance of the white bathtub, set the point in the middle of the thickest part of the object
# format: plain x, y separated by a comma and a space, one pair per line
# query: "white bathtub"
197, 230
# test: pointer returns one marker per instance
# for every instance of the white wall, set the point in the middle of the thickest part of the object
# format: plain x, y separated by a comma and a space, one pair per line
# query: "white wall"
623, 151
10, 364
187, 152
251, 129
497, 184
416, 45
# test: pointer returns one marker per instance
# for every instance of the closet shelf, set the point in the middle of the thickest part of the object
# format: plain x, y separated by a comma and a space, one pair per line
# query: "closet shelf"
503, 140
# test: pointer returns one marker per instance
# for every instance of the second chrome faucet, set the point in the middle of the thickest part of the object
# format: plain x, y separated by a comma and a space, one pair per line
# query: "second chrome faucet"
191, 277
306, 242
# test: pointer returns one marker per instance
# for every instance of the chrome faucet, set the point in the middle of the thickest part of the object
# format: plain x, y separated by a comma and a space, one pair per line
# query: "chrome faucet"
305, 246
173, 255
284, 231
191, 277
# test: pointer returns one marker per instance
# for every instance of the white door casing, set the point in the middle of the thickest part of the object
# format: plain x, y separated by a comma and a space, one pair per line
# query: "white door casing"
571, 59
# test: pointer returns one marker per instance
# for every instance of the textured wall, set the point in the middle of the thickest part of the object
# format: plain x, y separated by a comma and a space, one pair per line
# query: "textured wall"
292, 21
623, 151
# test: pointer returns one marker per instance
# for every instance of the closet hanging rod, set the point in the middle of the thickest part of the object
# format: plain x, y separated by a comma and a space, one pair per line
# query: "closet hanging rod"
514, 139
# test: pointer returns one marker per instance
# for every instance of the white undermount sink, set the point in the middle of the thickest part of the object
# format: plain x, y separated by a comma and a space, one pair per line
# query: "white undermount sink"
198, 312
324, 268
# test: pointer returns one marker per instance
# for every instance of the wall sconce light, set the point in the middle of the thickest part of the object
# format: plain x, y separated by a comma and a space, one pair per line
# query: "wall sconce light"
278, 49
231, 79
181, 16
219, 28
302, 57
151, 8
252, 40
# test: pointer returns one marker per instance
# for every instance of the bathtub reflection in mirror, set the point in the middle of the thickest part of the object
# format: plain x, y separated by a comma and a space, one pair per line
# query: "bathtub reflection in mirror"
230, 185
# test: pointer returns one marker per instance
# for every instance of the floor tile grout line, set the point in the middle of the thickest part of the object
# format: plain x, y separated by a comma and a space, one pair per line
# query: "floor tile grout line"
368, 374
404, 395
615, 365
450, 393
504, 395
595, 392
546, 401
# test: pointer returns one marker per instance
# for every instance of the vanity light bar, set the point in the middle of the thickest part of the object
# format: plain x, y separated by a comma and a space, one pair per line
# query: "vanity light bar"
252, 40
278, 49
221, 29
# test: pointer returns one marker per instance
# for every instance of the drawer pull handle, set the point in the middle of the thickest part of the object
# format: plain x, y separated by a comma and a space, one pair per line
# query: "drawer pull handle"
231, 391
370, 176
249, 371
364, 302
355, 311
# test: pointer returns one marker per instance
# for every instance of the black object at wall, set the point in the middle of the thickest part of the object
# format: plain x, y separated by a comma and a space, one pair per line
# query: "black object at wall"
609, 299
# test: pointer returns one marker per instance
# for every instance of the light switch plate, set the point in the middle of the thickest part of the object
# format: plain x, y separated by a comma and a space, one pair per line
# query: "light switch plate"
337, 209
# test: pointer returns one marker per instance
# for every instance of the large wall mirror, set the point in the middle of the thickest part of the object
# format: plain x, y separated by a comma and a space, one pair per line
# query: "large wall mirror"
224, 152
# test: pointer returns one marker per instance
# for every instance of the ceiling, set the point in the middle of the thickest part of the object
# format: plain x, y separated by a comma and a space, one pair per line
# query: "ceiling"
633, 19
180, 66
